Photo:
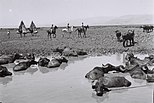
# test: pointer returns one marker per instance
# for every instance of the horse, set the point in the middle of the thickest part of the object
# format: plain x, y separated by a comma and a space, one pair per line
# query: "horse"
82, 30
128, 37
52, 31
67, 30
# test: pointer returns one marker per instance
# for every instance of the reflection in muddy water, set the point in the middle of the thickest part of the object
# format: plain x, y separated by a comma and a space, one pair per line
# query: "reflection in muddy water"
5, 80
67, 84
30, 70
100, 99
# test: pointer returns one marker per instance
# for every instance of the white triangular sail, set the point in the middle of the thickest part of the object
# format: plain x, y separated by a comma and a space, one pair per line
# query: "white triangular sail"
33, 27
22, 27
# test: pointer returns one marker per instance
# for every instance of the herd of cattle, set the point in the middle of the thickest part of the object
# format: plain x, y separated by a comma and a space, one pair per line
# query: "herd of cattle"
101, 83
137, 69
29, 59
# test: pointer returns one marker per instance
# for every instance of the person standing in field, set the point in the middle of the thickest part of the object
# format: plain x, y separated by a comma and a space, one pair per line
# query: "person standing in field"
8, 34
68, 27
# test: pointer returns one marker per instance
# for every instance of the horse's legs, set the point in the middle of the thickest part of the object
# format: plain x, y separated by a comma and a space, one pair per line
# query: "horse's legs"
21, 35
85, 34
124, 43
54, 35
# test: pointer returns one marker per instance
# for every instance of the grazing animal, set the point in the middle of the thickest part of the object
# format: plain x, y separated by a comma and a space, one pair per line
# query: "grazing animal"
5, 59
128, 38
52, 31
147, 28
67, 31
23, 65
4, 71
82, 30
106, 82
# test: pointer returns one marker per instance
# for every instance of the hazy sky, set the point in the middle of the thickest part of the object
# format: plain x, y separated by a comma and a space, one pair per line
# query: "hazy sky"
56, 11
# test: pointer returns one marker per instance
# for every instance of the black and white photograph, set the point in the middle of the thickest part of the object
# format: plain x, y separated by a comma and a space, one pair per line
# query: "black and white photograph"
76, 51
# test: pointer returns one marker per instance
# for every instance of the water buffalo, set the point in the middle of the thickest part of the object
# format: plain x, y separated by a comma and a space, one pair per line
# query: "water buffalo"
98, 72
131, 60
24, 65
43, 62
137, 73
66, 51
106, 82
69, 52
4, 71
150, 78
5, 59
95, 74
55, 62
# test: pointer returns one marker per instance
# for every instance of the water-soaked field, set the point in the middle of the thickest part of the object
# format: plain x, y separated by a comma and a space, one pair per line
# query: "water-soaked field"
68, 84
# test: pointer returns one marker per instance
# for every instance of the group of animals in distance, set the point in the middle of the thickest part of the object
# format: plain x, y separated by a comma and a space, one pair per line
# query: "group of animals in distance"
126, 38
22, 30
137, 68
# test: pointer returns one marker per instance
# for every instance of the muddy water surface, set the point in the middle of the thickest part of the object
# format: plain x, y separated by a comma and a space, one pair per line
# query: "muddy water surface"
67, 84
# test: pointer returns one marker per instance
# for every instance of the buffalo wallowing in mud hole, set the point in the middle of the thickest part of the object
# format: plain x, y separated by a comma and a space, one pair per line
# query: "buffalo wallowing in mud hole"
137, 69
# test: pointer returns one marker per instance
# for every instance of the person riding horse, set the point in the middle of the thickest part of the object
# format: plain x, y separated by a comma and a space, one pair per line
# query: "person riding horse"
83, 30
52, 31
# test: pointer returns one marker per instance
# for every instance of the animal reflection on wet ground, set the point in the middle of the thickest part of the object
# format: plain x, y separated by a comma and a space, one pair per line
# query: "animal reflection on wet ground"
68, 83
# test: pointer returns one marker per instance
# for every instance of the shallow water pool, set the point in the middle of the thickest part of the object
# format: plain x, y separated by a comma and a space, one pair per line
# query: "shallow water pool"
67, 84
